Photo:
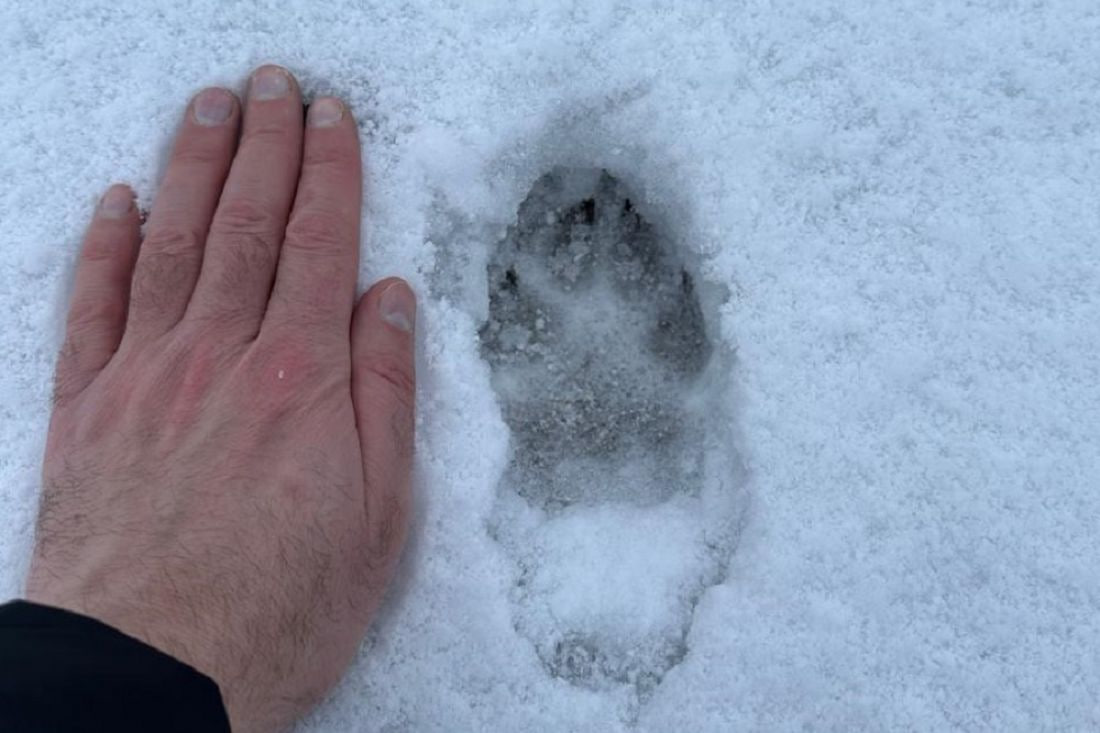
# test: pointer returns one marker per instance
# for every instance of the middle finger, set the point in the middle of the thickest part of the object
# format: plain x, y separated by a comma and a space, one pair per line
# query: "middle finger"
247, 231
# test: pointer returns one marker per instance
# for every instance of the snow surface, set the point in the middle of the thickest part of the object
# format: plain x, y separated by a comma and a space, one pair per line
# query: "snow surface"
890, 212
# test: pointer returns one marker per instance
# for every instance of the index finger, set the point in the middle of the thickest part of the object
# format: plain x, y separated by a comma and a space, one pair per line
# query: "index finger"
319, 262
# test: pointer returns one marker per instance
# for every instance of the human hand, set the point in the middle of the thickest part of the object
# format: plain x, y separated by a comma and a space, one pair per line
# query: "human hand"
227, 469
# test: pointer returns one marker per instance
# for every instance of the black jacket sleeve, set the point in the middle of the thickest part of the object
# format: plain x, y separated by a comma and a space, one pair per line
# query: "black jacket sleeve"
60, 671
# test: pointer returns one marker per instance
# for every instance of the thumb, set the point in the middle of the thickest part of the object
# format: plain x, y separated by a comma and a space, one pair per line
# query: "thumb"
383, 388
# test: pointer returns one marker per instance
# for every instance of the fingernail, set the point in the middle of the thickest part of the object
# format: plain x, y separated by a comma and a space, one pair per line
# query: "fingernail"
213, 107
398, 306
325, 112
270, 82
116, 202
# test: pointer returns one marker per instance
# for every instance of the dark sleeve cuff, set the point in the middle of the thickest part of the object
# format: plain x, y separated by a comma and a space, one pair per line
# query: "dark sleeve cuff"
60, 671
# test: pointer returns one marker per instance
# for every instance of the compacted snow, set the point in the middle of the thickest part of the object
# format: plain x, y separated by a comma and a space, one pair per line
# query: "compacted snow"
758, 342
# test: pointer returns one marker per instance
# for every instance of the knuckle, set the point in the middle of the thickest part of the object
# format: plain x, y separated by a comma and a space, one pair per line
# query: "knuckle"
66, 382
387, 533
243, 214
223, 322
147, 293
246, 255
393, 371
66, 387
243, 236
314, 294
265, 136
91, 314
198, 154
83, 354
312, 311
168, 258
317, 232
172, 242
